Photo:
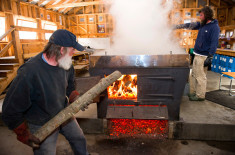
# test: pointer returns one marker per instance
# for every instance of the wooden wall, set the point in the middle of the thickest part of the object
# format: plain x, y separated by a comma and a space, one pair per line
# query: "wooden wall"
14, 11
91, 21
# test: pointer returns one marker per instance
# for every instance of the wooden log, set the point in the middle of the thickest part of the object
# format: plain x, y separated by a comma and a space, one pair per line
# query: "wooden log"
76, 106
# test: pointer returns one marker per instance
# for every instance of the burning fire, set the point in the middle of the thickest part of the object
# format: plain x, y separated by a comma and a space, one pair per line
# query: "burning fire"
137, 128
124, 88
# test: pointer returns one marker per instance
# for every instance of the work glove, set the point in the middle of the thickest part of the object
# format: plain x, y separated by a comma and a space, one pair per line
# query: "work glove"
84, 107
191, 51
73, 96
24, 136
208, 60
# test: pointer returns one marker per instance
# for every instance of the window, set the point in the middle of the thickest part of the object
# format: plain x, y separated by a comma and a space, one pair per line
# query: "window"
48, 25
26, 23
47, 35
27, 34
2, 27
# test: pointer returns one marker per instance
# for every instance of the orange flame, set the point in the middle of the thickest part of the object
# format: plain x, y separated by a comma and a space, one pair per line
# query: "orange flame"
124, 88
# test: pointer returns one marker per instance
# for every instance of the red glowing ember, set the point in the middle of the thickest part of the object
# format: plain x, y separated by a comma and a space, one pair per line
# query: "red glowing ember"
124, 88
137, 128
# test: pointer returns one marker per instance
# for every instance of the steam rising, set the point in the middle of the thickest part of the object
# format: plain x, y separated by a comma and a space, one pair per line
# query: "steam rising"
142, 28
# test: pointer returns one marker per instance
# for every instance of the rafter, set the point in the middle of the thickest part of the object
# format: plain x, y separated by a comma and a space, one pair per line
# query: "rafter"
72, 5
60, 2
68, 10
70, 1
50, 3
40, 2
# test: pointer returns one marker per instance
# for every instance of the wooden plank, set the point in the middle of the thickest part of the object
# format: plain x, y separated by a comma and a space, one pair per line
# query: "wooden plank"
29, 55
85, 30
80, 53
76, 4
72, 15
20, 28
80, 67
6, 82
14, 7
228, 27
3, 73
5, 34
18, 7
49, 3
39, 26
5, 49
61, 2
32, 47
2, 14
8, 66
26, 10
9, 5
232, 74
17, 47
2, 5
66, 10
41, 1
29, 11
226, 23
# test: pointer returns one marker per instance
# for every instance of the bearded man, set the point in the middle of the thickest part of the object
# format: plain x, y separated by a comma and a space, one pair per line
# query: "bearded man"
40, 91
204, 49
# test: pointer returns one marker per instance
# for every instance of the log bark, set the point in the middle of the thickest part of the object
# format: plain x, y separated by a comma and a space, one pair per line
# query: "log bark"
76, 106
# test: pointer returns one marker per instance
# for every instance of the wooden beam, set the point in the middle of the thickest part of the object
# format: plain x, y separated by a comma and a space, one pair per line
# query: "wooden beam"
29, 55
30, 1
67, 10
17, 47
226, 17
75, 4
2, 5
82, 28
60, 2
71, 1
5, 49
20, 28
2, 14
5, 34
72, 15
40, 2
229, 27
49, 3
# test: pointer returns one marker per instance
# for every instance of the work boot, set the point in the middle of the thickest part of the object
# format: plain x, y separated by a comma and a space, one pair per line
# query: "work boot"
191, 95
195, 98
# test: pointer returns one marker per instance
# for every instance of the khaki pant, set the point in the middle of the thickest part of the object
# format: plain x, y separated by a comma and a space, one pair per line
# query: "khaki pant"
198, 77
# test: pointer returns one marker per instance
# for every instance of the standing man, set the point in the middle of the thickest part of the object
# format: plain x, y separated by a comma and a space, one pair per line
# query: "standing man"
204, 49
40, 91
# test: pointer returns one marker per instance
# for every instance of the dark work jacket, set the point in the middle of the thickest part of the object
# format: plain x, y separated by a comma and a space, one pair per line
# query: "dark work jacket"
207, 38
37, 93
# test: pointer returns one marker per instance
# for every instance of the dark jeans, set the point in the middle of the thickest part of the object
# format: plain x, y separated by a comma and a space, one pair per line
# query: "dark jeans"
72, 132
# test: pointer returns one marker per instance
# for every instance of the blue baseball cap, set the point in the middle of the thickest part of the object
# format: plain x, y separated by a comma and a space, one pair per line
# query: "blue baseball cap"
65, 38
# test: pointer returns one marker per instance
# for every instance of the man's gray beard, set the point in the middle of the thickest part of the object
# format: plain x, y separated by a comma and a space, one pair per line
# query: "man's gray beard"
65, 62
